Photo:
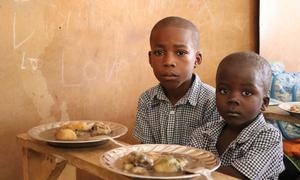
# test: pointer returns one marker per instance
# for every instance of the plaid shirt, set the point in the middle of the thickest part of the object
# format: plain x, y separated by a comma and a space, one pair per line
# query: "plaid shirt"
160, 122
256, 153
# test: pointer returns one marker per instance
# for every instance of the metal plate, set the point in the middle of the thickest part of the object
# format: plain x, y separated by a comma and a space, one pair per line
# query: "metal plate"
45, 132
109, 159
287, 106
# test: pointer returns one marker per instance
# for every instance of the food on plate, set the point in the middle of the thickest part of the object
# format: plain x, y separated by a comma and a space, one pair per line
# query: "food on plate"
65, 134
81, 129
100, 128
167, 164
139, 170
138, 162
295, 108
76, 125
155, 163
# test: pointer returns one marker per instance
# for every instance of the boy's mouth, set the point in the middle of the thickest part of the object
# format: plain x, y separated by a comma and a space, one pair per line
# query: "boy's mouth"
233, 114
169, 76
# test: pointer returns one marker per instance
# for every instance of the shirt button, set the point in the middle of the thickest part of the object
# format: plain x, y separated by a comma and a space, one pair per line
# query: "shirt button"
172, 112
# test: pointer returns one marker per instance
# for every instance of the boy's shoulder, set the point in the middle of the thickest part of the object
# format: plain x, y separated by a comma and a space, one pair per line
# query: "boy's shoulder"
272, 131
151, 92
201, 91
264, 130
207, 89
198, 85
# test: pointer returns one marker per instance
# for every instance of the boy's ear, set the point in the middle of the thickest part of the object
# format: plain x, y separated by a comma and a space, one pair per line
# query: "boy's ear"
149, 57
265, 104
198, 59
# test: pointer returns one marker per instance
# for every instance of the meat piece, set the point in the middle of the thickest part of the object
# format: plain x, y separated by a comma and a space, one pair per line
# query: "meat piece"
100, 128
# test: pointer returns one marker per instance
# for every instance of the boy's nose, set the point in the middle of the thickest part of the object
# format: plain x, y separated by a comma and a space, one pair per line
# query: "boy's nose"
234, 99
169, 60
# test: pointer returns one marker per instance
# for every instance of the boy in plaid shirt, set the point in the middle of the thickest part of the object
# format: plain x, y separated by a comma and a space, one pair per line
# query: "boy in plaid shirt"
248, 147
169, 112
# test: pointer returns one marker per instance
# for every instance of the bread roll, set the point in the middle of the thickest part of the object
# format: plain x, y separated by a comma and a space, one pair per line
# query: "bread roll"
167, 164
76, 125
295, 108
65, 134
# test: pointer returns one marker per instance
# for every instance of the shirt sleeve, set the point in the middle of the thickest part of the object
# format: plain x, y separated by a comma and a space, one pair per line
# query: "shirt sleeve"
264, 160
142, 130
198, 138
211, 114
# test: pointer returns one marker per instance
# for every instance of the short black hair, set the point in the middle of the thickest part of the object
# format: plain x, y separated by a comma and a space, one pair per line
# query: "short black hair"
251, 59
178, 22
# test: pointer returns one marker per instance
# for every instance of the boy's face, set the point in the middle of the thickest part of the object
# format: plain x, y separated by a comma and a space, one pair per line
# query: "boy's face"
173, 56
239, 94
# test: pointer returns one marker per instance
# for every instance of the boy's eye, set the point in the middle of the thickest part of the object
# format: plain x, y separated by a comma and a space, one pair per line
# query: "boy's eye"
158, 52
181, 53
246, 93
223, 91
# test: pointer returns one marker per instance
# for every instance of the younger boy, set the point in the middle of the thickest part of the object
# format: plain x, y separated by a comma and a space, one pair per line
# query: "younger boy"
247, 146
169, 112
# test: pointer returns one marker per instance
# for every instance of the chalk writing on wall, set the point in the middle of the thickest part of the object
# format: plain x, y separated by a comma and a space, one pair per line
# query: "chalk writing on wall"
17, 45
88, 74
33, 62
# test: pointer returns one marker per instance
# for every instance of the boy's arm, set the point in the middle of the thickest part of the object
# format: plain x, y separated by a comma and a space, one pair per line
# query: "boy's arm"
198, 138
211, 114
142, 130
264, 158
230, 170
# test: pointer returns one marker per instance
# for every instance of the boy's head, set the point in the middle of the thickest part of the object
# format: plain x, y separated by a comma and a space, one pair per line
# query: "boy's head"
177, 22
243, 82
174, 52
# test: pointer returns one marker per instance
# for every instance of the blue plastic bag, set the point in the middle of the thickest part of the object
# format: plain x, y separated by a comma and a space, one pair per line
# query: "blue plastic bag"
289, 130
282, 86
296, 91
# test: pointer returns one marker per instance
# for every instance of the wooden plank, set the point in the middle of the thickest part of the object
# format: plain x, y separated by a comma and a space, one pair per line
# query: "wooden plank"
216, 175
56, 167
275, 113
25, 163
86, 159
83, 158
41, 166
83, 175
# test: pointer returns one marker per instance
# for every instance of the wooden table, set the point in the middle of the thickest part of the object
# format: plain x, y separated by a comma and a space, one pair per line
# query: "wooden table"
275, 113
41, 161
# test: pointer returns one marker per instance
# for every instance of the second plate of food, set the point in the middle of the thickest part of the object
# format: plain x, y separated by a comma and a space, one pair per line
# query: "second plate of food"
79, 133
292, 107
159, 161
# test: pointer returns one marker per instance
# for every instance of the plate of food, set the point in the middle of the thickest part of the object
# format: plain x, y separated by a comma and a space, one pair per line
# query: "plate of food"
292, 107
79, 133
159, 161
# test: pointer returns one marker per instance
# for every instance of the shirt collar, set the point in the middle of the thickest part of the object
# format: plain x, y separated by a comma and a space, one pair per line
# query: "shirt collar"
158, 95
217, 125
194, 92
191, 96
245, 134
248, 132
